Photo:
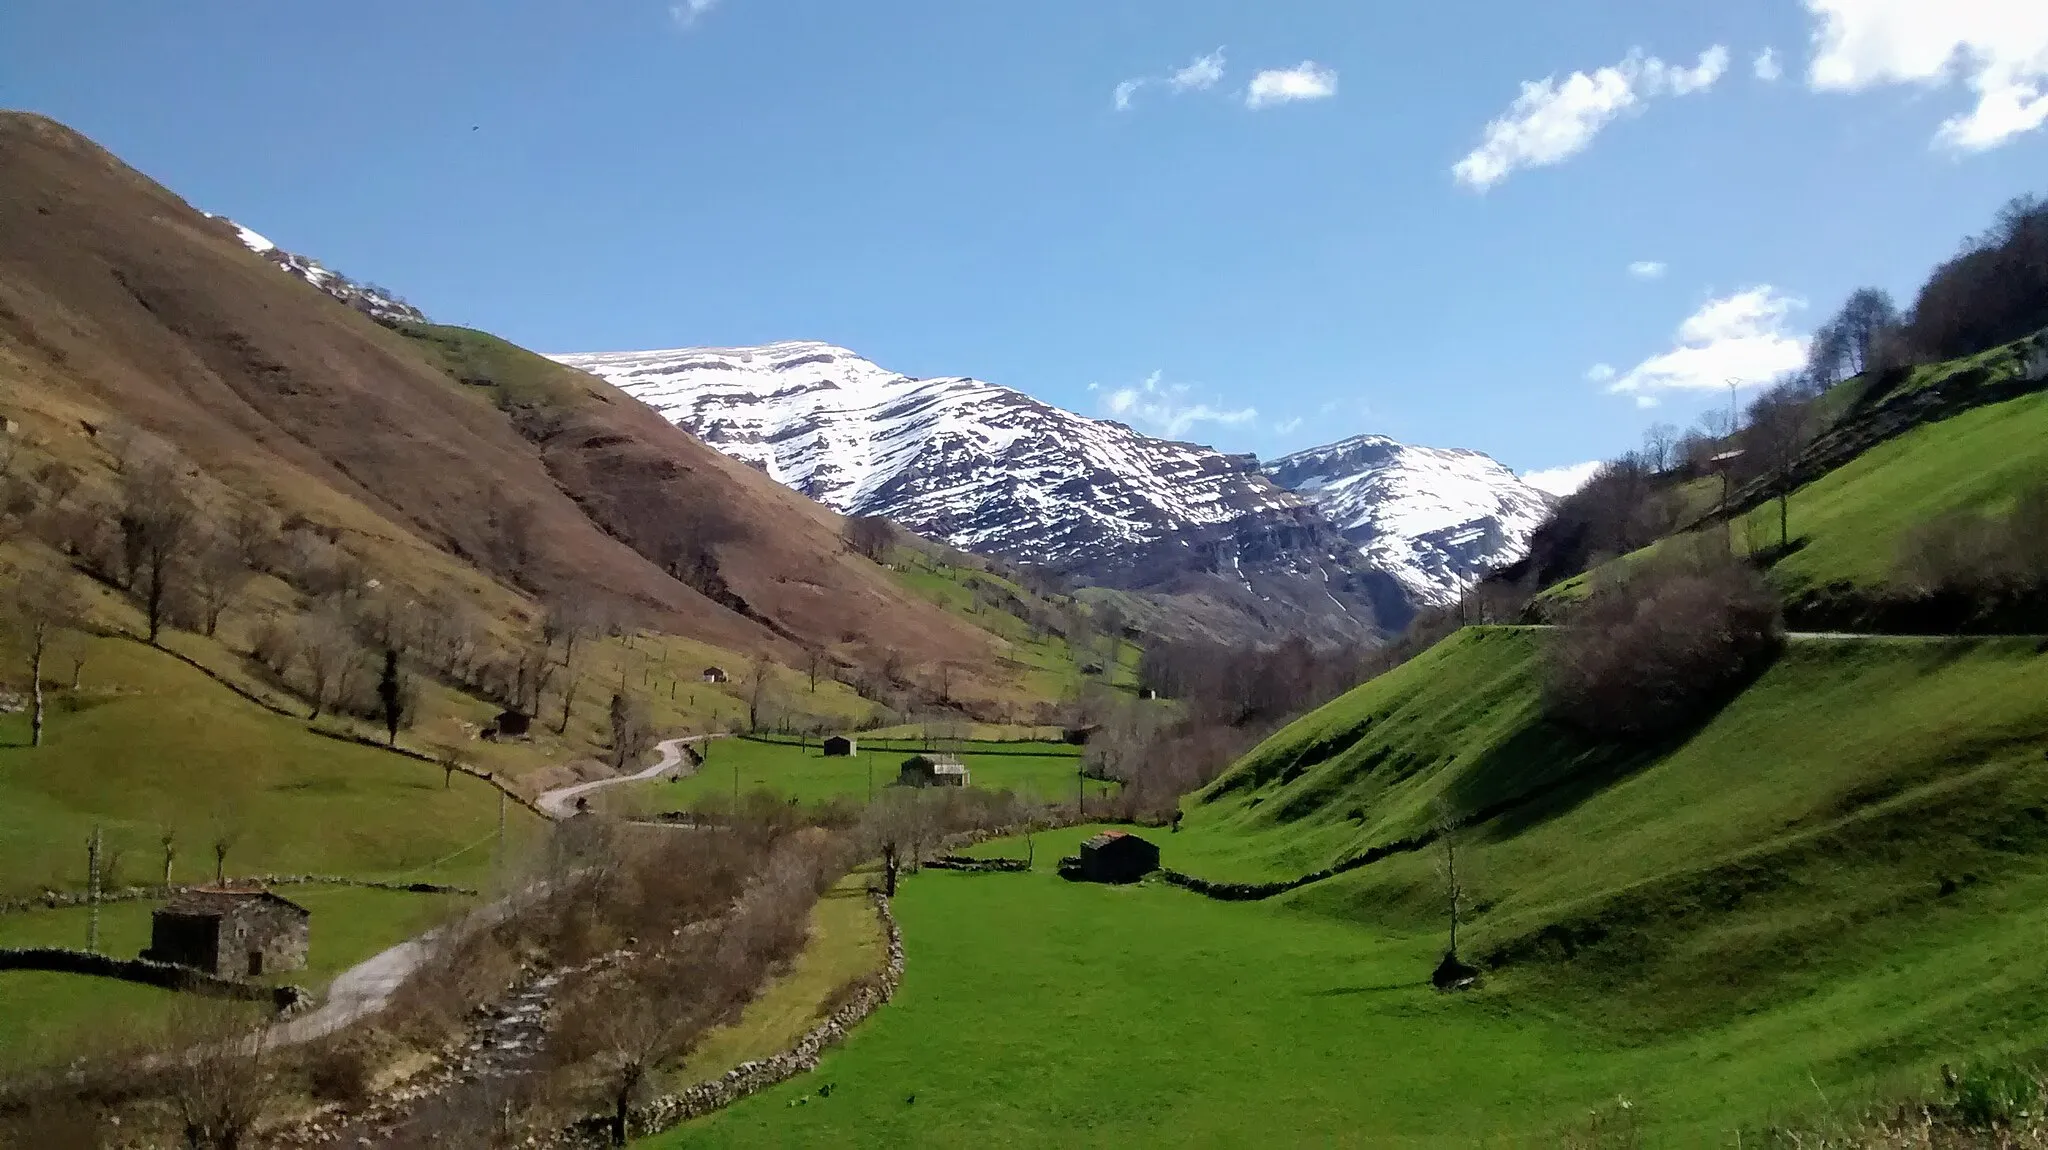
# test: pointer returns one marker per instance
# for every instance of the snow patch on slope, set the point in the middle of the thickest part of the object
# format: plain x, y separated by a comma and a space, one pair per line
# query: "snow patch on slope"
1436, 519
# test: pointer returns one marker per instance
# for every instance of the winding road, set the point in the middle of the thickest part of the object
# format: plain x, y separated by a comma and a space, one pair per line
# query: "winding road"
367, 987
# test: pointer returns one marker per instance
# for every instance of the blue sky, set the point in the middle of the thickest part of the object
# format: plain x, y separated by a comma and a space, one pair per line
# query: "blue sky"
1339, 216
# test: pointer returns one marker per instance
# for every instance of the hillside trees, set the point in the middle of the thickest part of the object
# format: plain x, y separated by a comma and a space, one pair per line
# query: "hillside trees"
1993, 292
220, 570
39, 603
630, 729
1656, 648
156, 521
868, 535
1782, 422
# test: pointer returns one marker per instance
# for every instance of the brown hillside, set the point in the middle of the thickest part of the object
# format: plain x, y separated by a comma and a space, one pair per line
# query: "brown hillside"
120, 301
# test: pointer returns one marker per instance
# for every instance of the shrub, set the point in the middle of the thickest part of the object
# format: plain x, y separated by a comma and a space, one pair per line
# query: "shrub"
1995, 1095
1657, 649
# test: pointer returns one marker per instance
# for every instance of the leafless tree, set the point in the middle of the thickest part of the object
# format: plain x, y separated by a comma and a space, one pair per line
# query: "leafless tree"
328, 649
156, 521
227, 831
760, 690
167, 842
510, 543
814, 660
219, 1079
1660, 445
569, 619
869, 535
1781, 424
219, 572
41, 602
631, 732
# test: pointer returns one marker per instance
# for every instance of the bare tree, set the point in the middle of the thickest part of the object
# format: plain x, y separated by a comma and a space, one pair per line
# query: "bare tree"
328, 649
1660, 446
252, 528
391, 697
869, 535
41, 603
630, 733
156, 519
760, 689
1781, 424
569, 619
167, 842
510, 543
814, 660
219, 572
220, 1080
227, 831
1864, 319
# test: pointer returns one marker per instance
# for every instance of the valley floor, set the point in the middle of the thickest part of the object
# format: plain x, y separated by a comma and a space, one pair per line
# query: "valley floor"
1039, 1012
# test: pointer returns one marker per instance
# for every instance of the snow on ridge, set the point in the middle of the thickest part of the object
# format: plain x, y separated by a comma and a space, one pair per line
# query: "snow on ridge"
981, 465
1435, 518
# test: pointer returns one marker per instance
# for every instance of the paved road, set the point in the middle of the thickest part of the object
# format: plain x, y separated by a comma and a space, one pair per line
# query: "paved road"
365, 988
560, 803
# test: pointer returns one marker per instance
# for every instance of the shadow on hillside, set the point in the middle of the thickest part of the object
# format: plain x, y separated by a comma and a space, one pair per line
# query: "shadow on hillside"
1346, 991
1548, 768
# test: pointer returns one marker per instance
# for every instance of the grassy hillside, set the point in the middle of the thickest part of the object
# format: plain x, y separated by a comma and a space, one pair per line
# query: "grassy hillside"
1809, 903
1848, 525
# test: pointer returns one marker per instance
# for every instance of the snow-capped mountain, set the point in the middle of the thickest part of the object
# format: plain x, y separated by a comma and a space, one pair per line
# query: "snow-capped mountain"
373, 301
993, 470
1435, 519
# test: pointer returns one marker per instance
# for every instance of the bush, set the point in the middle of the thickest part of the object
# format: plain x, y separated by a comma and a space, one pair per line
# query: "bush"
1659, 648
1995, 1095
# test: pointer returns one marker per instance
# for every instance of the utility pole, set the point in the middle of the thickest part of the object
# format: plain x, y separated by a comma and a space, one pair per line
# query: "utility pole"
92, 922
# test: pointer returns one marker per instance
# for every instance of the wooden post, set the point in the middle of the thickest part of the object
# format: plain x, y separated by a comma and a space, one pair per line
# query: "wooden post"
92, 922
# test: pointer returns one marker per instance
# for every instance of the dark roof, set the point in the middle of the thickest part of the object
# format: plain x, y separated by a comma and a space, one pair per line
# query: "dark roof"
213, 901
1106, 838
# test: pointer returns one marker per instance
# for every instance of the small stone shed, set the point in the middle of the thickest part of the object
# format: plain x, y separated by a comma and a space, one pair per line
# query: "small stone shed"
715, 675
512, 724
1112, 856
839, 746
231, 932
932, 771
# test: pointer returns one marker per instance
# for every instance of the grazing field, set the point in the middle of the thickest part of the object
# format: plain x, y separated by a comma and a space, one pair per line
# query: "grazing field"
803, 773
58, 1016
1036, 1012
153, 746
1856, 848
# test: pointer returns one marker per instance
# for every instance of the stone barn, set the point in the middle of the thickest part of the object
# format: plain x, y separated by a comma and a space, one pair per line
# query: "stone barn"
1112, 856
233, 933
932, 771
715, 675
839, 747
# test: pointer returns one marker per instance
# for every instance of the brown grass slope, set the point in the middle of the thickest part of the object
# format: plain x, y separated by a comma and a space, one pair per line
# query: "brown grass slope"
120, 301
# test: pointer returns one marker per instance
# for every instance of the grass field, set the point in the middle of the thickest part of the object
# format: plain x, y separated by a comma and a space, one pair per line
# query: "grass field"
1047, 770
56, 1016
1049, 666
1809, 904
1850, 523
156, 745
1036, 1012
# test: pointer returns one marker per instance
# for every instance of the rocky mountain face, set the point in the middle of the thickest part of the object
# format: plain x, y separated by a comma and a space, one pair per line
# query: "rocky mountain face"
1437, 520
993, 470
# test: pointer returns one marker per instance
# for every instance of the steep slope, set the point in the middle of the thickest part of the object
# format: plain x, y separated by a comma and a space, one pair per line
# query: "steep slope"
373, 301
119, 304
1437, 519
991, 469
1848, 858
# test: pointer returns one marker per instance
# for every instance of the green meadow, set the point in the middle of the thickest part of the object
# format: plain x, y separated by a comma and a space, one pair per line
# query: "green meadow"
800, 771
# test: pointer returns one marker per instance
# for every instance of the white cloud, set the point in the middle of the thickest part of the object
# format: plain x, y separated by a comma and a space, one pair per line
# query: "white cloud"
1288, 427
1203, 73
1125, 91
1600, 372
1740, 338
1646, 402
1647, 269
1561, 481
1766, 66
1164, 408
688, 12
1553, 120
1307, 81
1998, 48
